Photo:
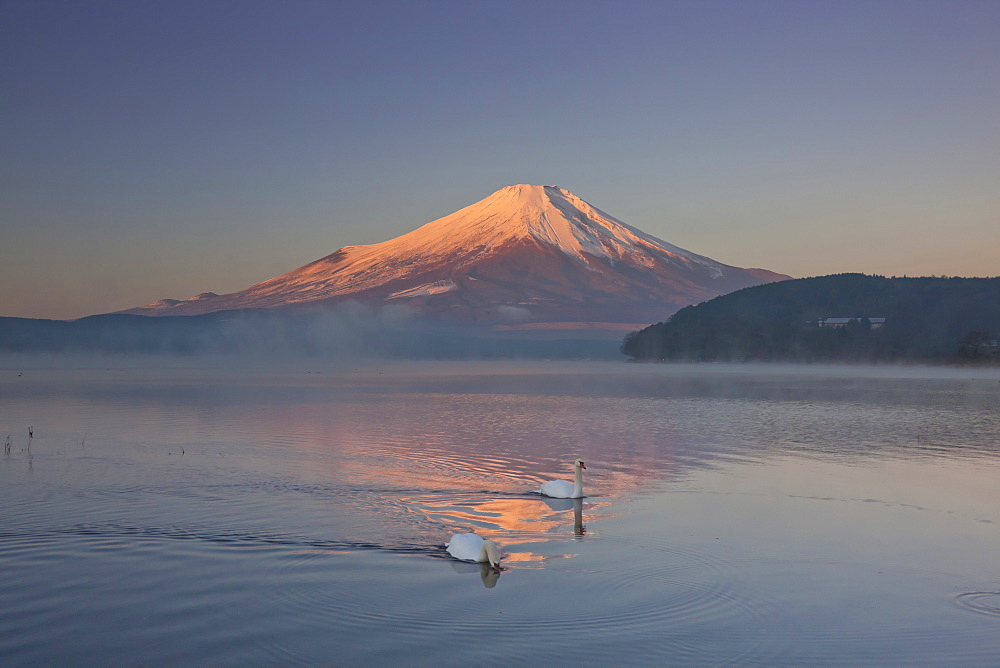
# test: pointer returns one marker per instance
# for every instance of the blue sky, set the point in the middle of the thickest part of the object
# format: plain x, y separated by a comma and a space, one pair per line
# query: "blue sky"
162, 149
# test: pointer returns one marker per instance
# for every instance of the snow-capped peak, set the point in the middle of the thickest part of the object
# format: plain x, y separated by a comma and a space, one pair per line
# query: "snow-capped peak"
522, 246
547, 214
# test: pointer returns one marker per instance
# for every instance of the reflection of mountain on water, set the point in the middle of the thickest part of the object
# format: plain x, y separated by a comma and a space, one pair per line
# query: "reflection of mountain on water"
506, 427
511, 521
398, 458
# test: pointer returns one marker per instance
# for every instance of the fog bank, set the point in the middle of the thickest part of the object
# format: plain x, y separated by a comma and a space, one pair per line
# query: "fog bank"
347, 331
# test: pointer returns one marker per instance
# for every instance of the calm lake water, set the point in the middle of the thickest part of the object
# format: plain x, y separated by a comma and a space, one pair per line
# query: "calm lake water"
734, 515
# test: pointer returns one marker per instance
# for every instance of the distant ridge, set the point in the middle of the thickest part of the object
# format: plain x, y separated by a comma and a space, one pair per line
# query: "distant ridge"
526, 254
943, 319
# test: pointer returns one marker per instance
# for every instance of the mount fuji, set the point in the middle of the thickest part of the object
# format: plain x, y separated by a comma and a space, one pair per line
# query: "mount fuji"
527, 256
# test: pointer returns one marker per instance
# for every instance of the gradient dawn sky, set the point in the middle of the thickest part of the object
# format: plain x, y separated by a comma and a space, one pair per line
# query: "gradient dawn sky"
162, 149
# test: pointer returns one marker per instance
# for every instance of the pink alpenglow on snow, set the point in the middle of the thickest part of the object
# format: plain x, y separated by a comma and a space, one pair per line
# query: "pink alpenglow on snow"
524, 255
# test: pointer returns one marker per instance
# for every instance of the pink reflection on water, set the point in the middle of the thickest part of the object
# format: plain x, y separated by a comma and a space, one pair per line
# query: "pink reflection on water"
465, 461
521, 520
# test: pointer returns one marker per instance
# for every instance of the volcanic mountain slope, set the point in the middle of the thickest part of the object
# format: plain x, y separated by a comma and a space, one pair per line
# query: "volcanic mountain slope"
524, 254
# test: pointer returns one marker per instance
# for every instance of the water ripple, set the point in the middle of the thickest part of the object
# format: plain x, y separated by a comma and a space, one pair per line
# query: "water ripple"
985, 602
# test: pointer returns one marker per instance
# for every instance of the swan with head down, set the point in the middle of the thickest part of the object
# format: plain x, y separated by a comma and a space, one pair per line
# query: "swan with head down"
561, 489
470, 547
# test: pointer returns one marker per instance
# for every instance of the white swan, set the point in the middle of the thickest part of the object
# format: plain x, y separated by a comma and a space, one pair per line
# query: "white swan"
470, 547
561, 489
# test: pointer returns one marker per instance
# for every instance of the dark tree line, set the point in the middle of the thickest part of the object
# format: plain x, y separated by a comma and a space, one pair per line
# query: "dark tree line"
925, 318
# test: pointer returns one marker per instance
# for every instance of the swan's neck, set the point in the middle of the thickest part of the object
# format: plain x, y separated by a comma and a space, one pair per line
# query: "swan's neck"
578, 483
489, 554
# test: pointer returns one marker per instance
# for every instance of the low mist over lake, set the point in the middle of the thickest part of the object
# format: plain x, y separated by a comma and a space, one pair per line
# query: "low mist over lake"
734, 514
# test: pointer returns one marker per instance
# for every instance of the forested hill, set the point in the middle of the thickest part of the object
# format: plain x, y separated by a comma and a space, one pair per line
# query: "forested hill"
925, 319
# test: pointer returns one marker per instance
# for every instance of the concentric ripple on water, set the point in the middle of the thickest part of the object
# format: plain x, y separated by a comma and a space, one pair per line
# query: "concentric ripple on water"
986, 602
